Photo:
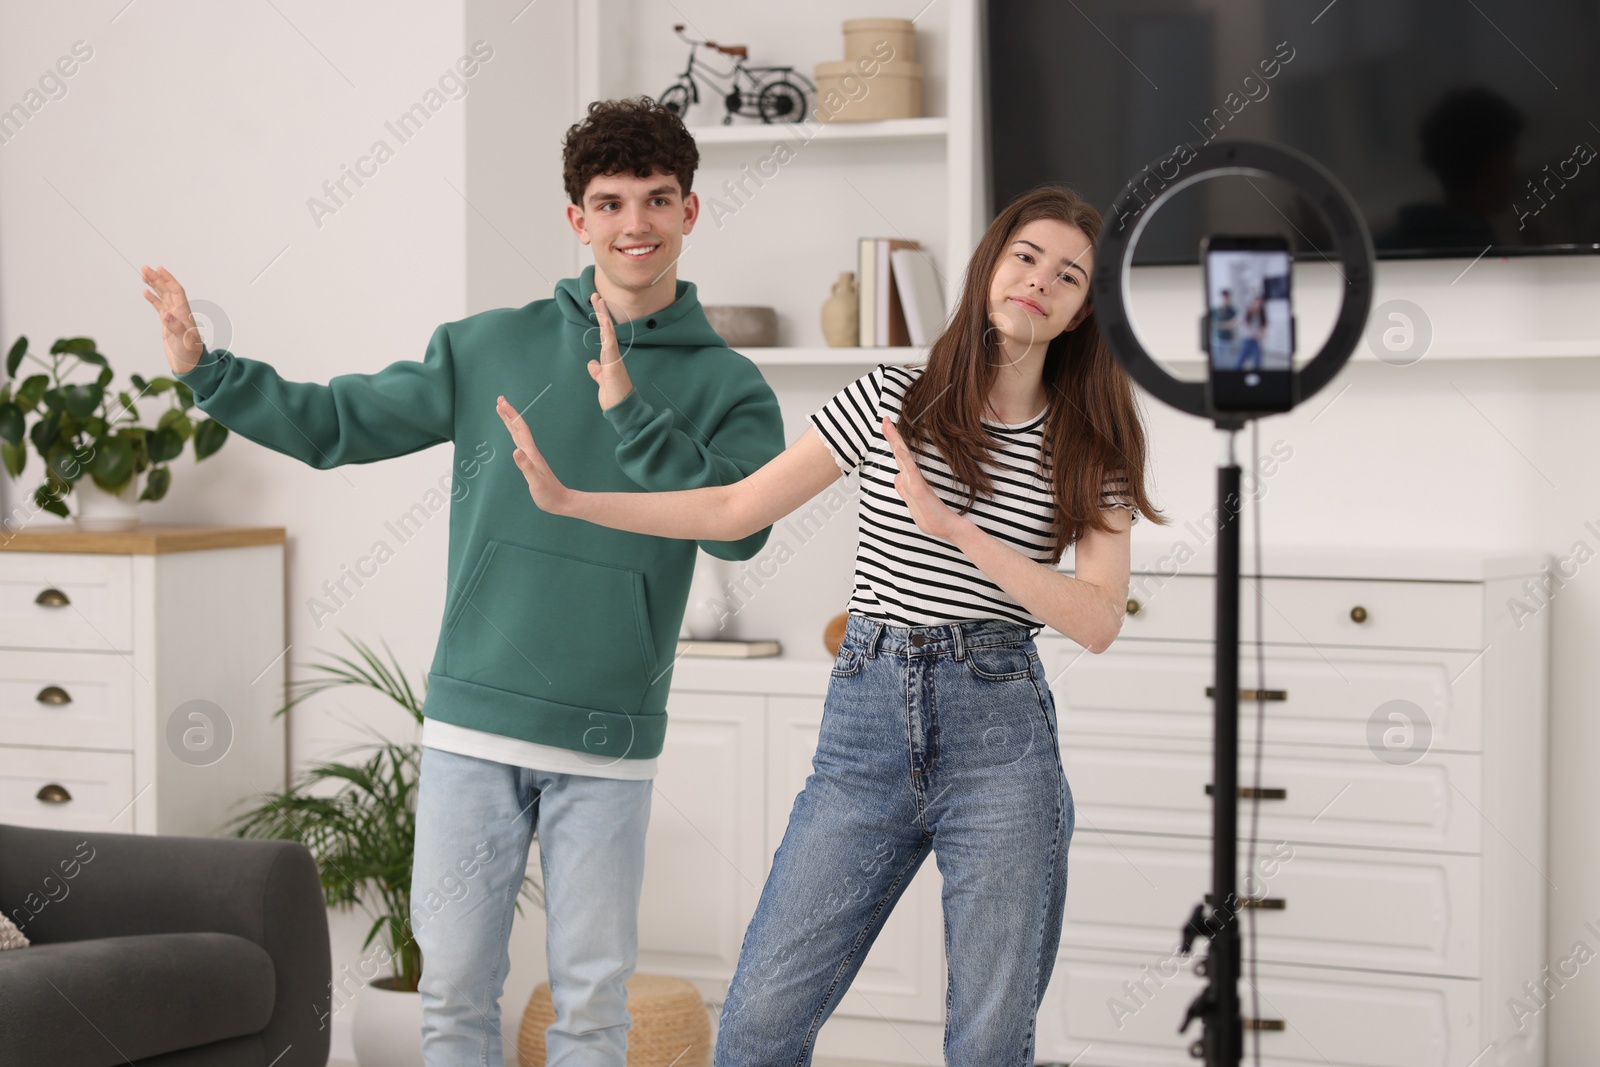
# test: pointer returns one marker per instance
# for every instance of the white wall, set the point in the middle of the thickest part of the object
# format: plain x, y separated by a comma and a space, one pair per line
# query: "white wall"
196, 133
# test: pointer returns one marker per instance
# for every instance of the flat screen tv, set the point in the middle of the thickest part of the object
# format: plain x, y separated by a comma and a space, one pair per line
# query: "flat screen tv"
1460, 127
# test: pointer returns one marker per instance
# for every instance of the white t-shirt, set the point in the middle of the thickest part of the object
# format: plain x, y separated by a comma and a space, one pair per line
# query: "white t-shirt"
448, 737
902, 575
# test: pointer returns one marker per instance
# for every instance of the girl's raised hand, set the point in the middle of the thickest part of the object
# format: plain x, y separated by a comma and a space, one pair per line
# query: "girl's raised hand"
547, 491
608, 370
933, 516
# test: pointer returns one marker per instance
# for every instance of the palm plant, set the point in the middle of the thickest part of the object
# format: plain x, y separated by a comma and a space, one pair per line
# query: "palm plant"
362, 833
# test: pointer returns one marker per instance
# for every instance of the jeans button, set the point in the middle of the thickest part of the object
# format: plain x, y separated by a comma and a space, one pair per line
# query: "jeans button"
918, 640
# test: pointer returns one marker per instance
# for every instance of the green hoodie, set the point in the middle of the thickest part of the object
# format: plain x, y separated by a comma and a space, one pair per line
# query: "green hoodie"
555, 630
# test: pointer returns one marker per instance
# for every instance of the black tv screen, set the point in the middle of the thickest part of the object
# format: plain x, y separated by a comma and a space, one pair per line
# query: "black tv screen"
1460, 127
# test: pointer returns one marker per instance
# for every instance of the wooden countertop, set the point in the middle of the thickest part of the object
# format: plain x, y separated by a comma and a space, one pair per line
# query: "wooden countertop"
146, 539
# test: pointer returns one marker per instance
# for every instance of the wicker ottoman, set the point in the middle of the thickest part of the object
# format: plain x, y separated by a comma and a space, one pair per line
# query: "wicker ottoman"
670, 1024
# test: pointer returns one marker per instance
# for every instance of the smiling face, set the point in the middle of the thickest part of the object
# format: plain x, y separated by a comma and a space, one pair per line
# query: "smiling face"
1040, 285
636, 228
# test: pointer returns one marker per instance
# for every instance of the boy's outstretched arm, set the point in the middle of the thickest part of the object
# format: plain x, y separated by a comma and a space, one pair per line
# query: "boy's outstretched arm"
718, 512
355, 418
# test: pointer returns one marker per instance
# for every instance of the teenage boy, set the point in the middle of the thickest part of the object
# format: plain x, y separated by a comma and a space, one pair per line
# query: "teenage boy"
546, 703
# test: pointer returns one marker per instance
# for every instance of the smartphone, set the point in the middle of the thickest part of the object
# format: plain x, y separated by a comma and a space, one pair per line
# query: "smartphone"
1249, 324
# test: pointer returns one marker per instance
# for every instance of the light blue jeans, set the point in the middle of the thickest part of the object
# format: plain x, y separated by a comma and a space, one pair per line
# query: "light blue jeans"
934, 738
475, 823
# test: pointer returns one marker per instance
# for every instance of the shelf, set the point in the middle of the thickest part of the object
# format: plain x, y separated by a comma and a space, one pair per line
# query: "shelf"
832, 357
885, 131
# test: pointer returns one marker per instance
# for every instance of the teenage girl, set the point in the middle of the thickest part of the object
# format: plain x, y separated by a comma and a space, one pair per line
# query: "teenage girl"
1018, 438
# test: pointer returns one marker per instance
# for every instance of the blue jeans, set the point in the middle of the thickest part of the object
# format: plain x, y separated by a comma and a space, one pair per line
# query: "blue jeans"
934, 738
475, 822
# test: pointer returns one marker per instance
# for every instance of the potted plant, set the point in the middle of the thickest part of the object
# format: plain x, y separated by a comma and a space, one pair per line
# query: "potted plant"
87, 428
362, 834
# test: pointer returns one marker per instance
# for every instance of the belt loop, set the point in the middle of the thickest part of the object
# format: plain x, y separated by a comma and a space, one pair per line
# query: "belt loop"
961, 646
872, 641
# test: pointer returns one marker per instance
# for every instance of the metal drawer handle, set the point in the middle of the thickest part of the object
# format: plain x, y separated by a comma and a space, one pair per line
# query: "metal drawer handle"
1134, 607
53, 694
1254, 694
51, 598
1260, 903
1277, 1025
53, 794
1250, 792
1358, 614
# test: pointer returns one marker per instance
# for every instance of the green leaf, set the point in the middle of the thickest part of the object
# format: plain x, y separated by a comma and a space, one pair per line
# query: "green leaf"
45, 432
185, 395
127, 405
155, 486
44, 498
174, 418
81, 400
64, 463
12, 424
161, 385
95, 426
14, 357
33, 387
166, 443
74, 346
106, 374
112, 465
15, 456
138, 381
52, 400
208, 437
93, 357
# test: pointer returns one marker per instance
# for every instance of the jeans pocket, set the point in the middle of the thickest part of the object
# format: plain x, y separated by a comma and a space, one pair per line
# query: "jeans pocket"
849, 661
1000, 663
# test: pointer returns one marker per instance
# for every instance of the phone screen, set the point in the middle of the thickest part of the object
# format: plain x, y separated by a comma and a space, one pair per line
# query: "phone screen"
1250, 323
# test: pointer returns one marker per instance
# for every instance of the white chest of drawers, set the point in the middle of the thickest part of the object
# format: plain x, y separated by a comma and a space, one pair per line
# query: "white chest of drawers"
139, 673
1400, 851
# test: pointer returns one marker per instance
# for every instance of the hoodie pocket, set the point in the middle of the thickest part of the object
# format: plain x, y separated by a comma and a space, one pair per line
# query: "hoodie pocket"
558, 628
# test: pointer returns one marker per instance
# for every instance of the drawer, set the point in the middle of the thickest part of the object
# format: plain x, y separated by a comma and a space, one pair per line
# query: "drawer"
66, 601
1115, 1010
66, 700
99, 785
1394, 911
1313, 611
1329, 696
1314, 794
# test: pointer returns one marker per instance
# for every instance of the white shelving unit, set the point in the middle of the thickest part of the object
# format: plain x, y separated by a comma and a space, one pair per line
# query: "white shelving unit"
918, 178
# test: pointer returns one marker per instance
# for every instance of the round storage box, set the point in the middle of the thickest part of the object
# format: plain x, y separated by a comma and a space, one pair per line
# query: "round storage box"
846, 92
670, 1025
861, 38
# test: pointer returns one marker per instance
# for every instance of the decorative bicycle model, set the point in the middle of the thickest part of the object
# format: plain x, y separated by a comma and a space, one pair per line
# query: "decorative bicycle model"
773, 94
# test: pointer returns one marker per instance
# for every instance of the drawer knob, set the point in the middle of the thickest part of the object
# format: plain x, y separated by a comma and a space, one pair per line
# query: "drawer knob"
1275, 1025
1358, 614
53, 794
51, 598
1134, 607
53, 694
1250, 792
1271, 695
1260, 903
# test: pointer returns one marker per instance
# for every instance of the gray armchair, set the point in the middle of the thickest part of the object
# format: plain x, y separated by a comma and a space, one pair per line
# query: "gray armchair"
162, 952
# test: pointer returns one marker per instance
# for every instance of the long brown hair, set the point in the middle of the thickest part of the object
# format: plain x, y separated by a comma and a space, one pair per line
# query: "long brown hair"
1093, 429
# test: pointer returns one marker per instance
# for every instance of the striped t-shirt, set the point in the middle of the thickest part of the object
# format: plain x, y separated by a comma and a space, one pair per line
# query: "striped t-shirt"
905, 577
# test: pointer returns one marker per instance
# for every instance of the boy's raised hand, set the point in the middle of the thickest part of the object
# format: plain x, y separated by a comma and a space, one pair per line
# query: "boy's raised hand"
547, 491
178, 331
608, 370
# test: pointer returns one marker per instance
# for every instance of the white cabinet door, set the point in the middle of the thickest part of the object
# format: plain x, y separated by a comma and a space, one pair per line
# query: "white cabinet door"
705, 855
903, 976
1115, 1010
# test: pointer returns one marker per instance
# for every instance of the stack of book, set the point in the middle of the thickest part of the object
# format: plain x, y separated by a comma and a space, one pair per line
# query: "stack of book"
902, 302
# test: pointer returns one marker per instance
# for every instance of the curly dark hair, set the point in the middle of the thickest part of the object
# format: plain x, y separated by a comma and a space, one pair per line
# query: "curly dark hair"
636, 136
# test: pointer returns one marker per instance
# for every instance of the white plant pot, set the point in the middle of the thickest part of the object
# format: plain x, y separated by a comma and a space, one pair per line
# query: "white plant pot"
387, 1028
100, 511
